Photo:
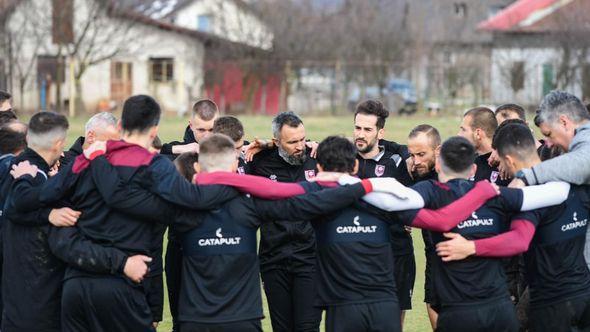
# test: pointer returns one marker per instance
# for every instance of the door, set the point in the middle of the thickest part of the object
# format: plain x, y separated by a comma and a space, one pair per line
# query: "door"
121, 81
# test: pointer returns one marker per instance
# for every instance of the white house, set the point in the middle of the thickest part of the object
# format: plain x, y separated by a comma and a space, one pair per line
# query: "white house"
230, 19
124, 54
538, 46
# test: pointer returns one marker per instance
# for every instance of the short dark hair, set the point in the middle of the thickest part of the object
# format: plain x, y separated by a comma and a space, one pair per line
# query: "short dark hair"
44, 122
284, 119
7, 117
4, 96
515, 140
45, 128
504, 124
184, 164
457, 154
216, 143
229, 126
336, 154
373, 107
514, 108
483, 118
11, 141
431, 132
205, 109
140, 113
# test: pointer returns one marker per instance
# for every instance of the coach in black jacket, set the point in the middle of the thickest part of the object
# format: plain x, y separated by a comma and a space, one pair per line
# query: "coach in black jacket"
287, 249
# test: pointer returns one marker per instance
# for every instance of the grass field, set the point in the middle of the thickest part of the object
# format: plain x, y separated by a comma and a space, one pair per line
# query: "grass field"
397, 128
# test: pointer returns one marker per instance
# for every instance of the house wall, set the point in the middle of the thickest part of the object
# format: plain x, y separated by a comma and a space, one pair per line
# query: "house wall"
136, 42
229, 21
534, 59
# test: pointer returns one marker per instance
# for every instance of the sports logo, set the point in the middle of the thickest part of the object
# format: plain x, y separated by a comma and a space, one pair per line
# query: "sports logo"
379, 170
273, 177
219, 240
241, 170
476, 221
309, 174
576, 224
357, 228
355, 221
494, 177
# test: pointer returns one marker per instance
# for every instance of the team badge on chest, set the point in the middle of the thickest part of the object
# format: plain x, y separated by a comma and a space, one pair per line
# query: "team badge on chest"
309, 174
494, 177
379, 170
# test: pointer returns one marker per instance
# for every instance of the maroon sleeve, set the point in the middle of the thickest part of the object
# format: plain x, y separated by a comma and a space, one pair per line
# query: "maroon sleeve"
447, 217
507, 244
256, 186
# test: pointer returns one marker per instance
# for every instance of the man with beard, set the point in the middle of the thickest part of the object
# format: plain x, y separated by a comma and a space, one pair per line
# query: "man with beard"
423, 144
376, 161
478, 128
287, 249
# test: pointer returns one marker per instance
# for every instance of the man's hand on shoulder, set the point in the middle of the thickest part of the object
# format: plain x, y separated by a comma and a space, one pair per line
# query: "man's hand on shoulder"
23, 168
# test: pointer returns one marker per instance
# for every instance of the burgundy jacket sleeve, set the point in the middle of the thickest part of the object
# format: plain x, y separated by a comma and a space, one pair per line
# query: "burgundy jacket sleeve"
256, 186
445, 218
511, 243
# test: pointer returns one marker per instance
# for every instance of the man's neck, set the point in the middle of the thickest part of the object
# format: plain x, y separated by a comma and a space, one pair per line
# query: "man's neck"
144, 141
371, 154
529, 163
444, 178
484, 147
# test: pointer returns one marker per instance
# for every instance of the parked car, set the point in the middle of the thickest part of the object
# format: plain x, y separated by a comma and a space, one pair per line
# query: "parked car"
399, 96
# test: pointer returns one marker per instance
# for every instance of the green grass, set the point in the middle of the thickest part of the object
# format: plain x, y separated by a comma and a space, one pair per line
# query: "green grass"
172, 128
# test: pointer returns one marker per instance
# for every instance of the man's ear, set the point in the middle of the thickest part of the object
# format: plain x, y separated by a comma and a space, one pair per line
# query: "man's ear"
197, 167
320, 168
381, 133
437, 151
355, 169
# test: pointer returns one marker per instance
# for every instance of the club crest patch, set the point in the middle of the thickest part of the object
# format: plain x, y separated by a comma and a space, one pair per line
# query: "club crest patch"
309, 174
494, 177
379, 170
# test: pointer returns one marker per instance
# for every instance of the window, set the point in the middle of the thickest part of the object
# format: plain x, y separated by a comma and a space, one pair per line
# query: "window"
548, 78
205, 22
161, 69
460, 9
62, 19
517, 76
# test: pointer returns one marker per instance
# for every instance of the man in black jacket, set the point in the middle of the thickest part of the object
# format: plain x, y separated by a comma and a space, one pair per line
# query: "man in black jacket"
32, 276
377, 161
287, 249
